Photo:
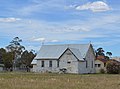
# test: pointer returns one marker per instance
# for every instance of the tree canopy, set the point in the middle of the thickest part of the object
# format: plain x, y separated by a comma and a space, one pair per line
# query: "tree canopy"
100, 52
15, 55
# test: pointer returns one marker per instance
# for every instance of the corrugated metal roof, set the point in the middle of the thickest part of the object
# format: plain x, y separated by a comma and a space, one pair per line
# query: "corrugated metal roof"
55, 51
77, 53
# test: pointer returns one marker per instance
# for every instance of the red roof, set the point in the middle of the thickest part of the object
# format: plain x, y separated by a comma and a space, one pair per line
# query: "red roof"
100, 57
103, 60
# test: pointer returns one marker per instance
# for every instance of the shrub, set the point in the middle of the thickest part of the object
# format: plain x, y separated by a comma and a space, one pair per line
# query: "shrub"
102, 71
113, 67
63, 70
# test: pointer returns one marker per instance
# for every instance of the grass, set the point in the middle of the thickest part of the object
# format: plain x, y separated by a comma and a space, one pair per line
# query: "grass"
58, 81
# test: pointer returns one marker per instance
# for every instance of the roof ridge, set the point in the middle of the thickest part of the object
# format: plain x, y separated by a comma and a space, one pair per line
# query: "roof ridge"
63, 44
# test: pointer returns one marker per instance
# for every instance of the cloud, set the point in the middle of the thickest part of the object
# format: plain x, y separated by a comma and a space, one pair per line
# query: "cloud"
50, 32
54, 40
11, 19
38, 39
97, 6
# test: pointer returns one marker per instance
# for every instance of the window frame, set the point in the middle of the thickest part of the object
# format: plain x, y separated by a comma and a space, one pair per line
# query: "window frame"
86, 64
42, 63
58, 63
50, 63
99, 65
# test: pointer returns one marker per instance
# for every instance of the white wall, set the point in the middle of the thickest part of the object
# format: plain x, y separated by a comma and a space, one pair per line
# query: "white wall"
46, 68
82, 67
71, 67
1, 68
90, 58
97, 69
34, 69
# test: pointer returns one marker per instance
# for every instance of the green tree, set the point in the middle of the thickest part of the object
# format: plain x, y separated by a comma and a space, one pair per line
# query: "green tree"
16, 48
109, 54
100, 52
26, 58
6, 58
2, 52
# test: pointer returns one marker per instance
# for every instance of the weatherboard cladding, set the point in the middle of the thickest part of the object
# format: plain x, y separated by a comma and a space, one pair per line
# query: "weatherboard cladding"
55, 51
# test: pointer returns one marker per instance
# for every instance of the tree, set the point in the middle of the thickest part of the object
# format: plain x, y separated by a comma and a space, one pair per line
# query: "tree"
26, 58
16, 48
2, 52
6, 58
100, 52
109, 54
107, 58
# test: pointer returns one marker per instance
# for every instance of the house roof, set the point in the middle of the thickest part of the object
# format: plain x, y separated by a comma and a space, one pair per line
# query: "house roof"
116, 58
55, 51
113, 60
77, 53
102, 60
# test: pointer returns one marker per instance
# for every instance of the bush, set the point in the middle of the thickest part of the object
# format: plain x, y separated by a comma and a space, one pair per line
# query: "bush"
113, 67
102, 71
63, 70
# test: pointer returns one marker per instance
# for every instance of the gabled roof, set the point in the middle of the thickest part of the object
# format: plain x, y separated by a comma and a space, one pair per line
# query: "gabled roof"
76, 53
55, 51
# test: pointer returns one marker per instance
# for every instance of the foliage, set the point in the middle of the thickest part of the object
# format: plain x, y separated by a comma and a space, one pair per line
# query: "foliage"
16, 48
107, 58
63, 70
6, 58
100, 52
109, 54
102, 71
26, 58
2, 52
15, 56
113, 67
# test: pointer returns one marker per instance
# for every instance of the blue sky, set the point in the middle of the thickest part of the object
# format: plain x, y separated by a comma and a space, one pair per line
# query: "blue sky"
61, 22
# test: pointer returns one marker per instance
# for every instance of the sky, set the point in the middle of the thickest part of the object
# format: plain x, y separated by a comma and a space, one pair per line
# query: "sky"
61, 22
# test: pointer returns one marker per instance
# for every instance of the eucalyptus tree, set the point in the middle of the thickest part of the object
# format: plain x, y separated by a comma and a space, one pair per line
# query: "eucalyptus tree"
26, 59
16, 48
6, 58
100, 52
109, 54
2, 53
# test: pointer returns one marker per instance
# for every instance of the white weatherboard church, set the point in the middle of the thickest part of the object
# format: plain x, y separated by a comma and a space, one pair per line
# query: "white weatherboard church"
74, 58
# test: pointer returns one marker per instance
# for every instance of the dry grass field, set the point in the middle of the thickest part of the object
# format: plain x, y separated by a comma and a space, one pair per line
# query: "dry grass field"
58, 81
